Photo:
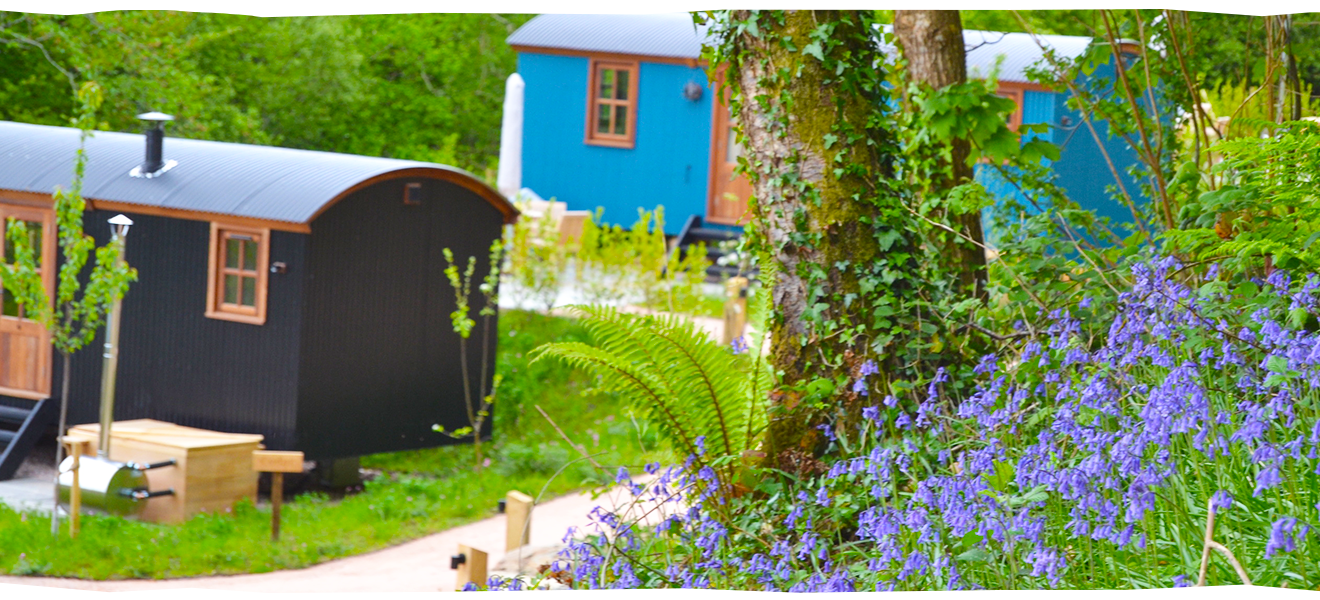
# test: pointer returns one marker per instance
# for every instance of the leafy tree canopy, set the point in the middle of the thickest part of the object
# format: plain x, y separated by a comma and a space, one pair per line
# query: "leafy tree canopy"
422, 87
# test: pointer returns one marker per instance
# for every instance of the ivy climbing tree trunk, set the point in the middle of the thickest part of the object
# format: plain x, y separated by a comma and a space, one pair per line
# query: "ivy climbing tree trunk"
808, 95
932, 43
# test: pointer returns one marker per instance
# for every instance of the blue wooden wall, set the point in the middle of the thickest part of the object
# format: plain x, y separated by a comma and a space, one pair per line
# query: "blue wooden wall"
1081, 170
668, 165
670, 161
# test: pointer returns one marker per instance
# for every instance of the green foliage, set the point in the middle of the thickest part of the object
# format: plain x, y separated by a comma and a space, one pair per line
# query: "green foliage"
606, 262
425, 87
627, 265
462, 286
72, 319
536, 258
706, 400
1268, 206
1059, 22
478, 409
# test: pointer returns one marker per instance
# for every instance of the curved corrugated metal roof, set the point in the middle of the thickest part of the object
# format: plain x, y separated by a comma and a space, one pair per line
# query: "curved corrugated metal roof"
259, 182
674, 35
669, 35
1019, 51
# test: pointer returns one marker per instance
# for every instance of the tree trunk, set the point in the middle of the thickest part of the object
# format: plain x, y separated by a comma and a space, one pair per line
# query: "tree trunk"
932, 43
807, 94
59, 443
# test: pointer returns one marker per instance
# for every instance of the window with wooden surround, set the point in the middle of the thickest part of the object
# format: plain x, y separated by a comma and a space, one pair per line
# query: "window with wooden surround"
1015, 118
612, 109
239, 264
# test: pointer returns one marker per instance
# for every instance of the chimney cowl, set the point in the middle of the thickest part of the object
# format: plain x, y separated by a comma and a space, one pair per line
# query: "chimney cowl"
154, 165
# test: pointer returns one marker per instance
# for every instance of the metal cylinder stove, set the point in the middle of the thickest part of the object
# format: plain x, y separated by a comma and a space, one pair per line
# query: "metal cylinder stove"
114, 487
111, 486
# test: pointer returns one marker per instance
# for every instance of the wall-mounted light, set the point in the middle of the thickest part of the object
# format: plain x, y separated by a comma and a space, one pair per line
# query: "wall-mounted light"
692, 91
412, 194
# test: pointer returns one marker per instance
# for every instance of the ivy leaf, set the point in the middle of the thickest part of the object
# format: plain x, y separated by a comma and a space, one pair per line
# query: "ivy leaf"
814, 49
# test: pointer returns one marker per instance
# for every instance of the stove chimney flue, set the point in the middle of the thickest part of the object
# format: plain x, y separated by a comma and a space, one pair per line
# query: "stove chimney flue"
155, 163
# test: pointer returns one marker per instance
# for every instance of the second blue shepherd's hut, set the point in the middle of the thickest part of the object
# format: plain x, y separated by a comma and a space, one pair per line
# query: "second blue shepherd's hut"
619, 114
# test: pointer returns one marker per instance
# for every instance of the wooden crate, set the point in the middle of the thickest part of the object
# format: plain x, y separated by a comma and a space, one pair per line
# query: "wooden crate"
214, 469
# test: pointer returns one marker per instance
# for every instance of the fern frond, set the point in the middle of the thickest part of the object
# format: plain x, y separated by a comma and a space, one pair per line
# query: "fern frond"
672, 371
637, 384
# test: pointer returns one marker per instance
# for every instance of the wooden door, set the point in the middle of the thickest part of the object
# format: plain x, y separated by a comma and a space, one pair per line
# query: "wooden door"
25, 351
728, 191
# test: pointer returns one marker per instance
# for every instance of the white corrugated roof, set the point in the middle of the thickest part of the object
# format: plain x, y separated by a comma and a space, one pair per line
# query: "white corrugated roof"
674, 35
671, 35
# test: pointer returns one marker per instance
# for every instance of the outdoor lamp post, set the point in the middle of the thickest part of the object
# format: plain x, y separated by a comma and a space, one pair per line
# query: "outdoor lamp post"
119, 225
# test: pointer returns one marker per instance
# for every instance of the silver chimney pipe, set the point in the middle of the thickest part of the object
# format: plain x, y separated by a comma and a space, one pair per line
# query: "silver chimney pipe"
119, 227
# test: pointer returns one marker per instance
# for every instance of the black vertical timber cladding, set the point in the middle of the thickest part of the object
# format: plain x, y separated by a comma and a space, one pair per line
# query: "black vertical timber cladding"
177, 365
380, 361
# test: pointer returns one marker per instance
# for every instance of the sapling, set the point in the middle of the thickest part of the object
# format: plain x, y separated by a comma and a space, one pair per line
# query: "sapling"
71, 319
477, 412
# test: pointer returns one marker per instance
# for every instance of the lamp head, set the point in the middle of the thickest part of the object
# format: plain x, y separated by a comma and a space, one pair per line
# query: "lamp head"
119, 225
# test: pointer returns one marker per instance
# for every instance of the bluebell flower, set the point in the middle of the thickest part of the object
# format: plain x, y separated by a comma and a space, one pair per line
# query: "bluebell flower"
859, 387
1266, 479
1281, 538
1221, 501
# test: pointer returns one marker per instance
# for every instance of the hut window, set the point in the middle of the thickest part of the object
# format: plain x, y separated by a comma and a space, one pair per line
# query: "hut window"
612, 105
1014, 119
236, 290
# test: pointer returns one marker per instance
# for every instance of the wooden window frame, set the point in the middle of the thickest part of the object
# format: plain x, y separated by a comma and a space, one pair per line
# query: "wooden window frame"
216, 308
593, 138
1018, 96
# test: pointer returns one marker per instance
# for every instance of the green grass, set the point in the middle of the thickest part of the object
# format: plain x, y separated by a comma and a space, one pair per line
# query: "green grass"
420, 492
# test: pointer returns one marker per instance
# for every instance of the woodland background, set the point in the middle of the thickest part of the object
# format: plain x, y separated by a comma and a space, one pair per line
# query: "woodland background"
422, 87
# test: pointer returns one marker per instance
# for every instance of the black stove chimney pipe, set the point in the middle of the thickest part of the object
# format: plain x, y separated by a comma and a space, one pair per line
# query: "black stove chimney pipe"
155, 141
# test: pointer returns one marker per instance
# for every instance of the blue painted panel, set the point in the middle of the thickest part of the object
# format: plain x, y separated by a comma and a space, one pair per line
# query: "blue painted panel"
1037, 107
1084, 172
668, 165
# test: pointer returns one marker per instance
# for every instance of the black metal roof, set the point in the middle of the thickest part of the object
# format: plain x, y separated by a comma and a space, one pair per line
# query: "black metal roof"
260, 182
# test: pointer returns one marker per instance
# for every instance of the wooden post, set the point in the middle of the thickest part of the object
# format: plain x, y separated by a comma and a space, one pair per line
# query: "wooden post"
471, 566
277, 464
735, 309
276, 499
518, 520
77, 448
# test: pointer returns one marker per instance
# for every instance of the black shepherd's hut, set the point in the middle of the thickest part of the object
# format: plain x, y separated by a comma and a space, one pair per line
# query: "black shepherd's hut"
291, 293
